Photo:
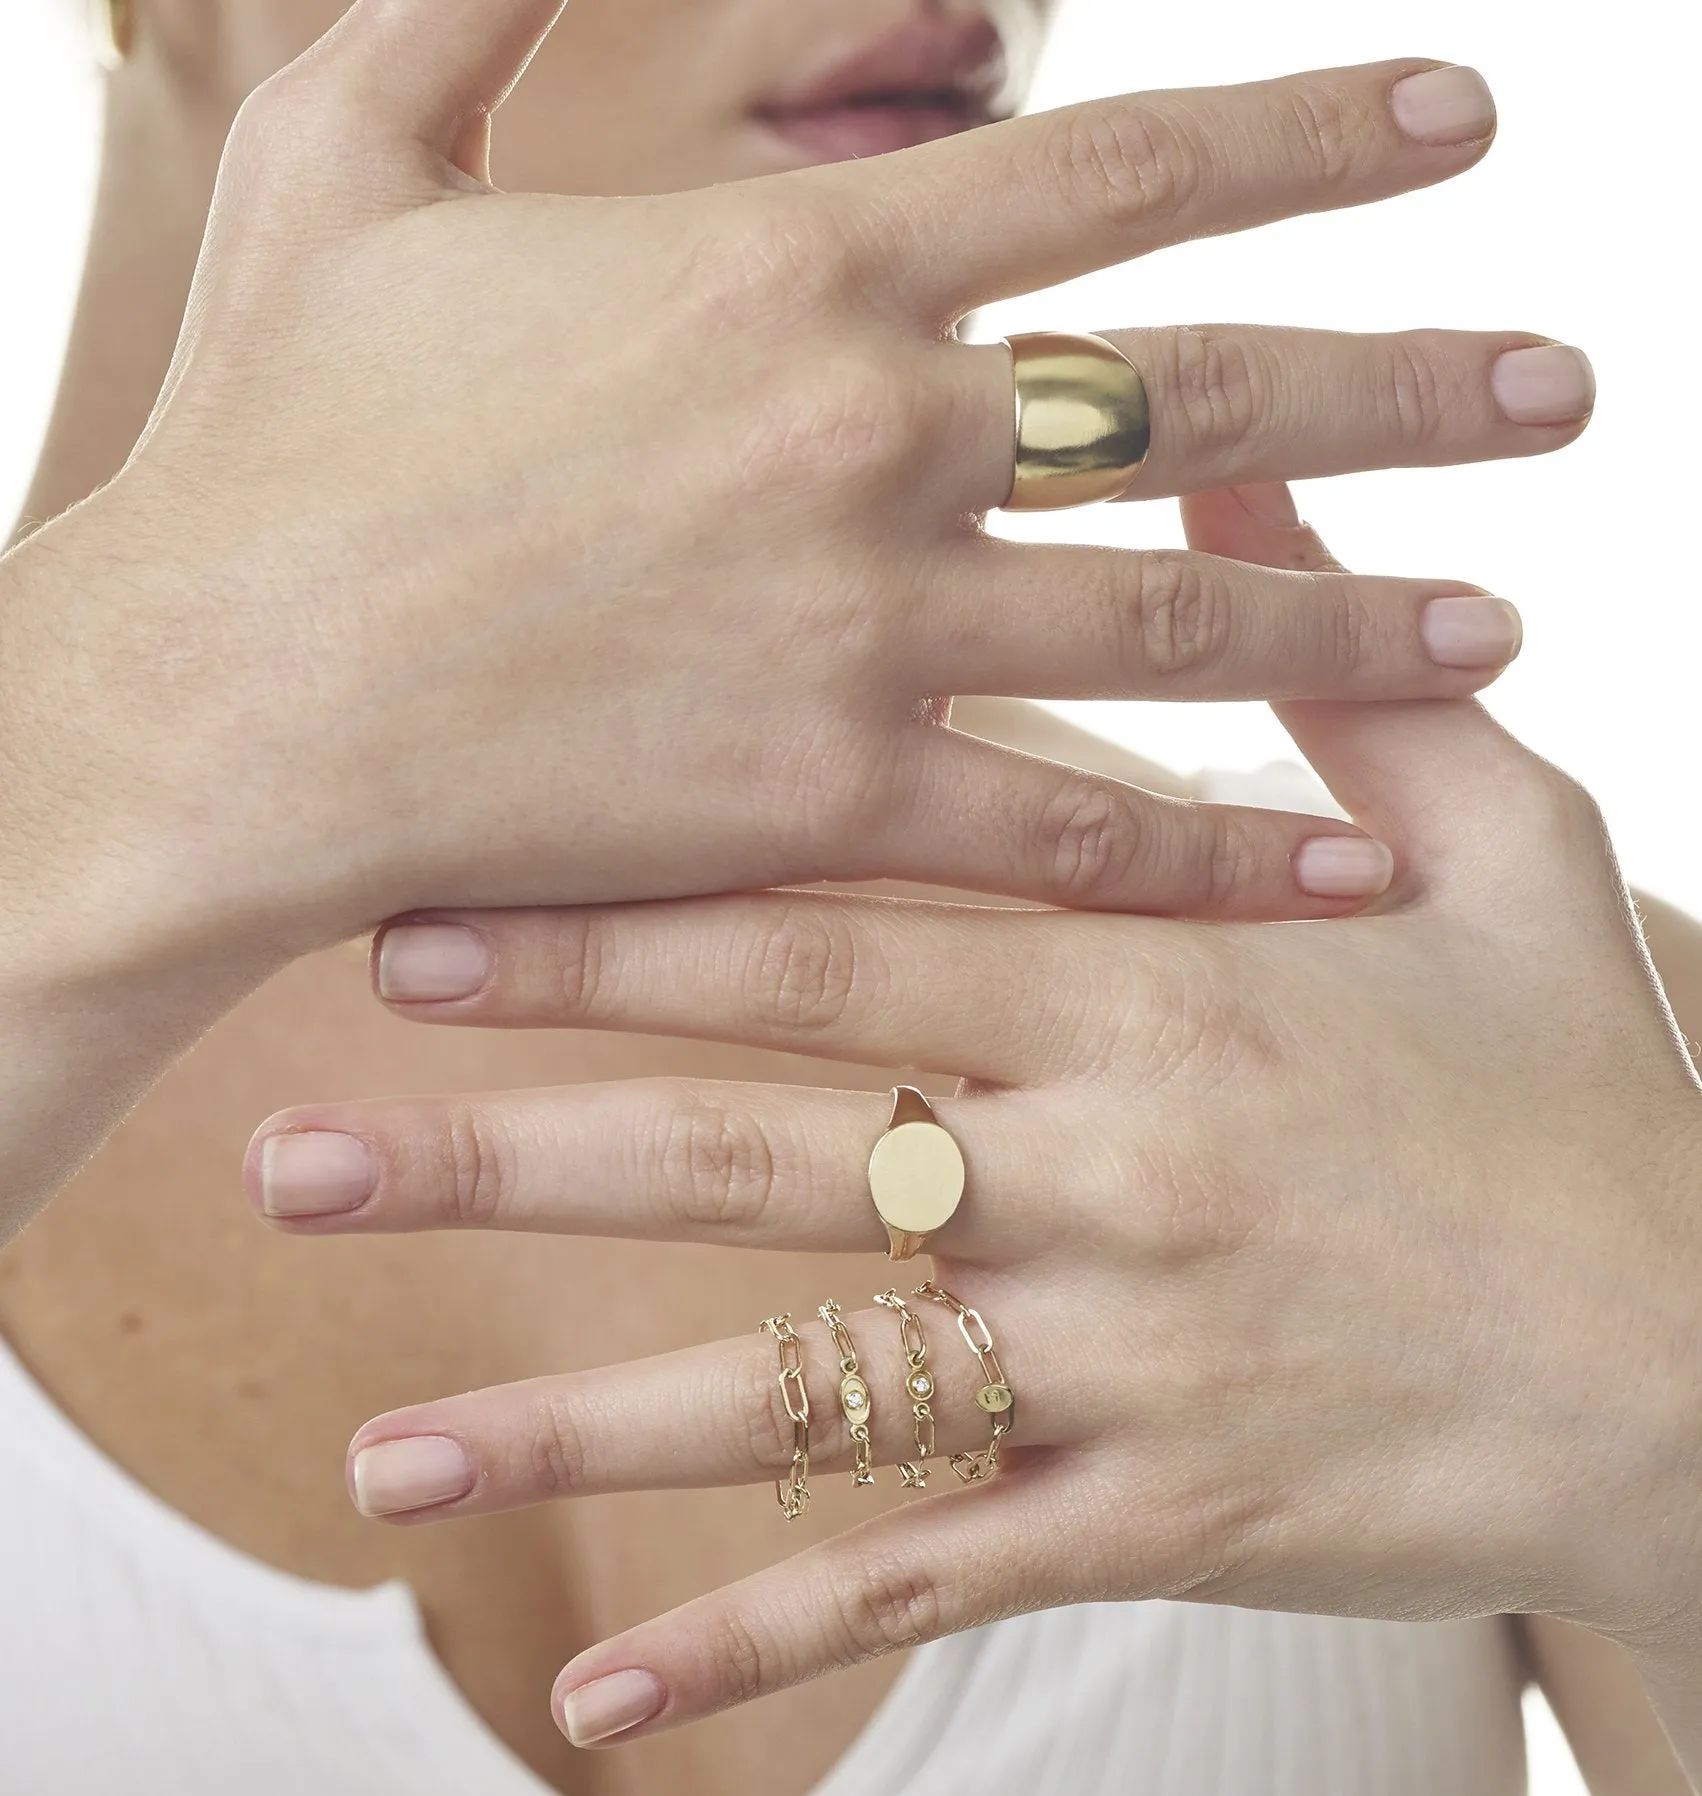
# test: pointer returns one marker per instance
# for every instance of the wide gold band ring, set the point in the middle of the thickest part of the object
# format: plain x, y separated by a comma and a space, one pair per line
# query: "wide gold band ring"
916, 1174
1083, 427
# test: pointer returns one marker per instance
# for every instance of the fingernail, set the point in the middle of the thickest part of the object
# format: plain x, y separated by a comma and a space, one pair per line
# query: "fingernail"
395, 1476
1551, 384
1444, 106
1343, 867
421, 963
1471, 631
315, 1174
1270, 503
611, 1705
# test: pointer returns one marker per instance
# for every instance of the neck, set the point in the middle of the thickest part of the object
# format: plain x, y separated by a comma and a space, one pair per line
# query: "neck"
156, 181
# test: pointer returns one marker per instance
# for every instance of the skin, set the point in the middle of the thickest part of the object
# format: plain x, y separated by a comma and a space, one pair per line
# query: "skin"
265, 1352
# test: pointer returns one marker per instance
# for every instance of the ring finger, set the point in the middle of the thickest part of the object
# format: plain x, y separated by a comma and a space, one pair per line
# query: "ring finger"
1237, 404
702, 1417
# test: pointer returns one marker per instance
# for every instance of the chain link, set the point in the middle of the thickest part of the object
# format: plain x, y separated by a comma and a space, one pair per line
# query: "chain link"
918, 1386
995, 1395
793, 1491
855, 1400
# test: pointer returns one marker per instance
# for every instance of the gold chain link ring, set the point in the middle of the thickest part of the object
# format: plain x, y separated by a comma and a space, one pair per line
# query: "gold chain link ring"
793, 1491
854, 1398
918, 1386
995, 1395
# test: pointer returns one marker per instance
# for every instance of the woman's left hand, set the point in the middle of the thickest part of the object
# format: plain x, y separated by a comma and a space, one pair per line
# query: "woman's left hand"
1345, 1267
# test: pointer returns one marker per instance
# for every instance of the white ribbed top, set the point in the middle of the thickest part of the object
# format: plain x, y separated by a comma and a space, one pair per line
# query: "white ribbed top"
141, 1656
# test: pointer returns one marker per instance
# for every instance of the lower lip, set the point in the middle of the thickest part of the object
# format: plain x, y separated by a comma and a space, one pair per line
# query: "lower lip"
841, 133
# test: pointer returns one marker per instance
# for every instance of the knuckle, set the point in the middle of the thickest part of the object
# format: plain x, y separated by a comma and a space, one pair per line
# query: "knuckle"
806, 970
880, 1608
1332, 133
777, 258
480, 1170
768, 1428
1181, 613
1127, 163
555, 1450
284, 123
1556, 811
1349, 642
1417, 408
718, 1167
1091, 840
849, 424
739, 1658
1222, 387
573, 949
1227, 864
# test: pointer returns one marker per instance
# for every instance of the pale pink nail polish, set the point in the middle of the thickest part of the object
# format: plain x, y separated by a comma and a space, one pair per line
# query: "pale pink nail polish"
1471, 631
1343, 867
317, 1173
392, 1477
1550, 384
1444, 106
611, 1705
431, 963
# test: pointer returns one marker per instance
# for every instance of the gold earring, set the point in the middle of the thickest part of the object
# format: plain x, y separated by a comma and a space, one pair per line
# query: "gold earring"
113, 25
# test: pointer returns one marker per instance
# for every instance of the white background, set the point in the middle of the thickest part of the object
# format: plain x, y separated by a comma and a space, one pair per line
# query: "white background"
1578, 226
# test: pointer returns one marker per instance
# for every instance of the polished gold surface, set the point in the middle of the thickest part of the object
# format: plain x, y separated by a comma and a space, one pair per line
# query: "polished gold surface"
916, 1174
855, 1400
919, 1387
1083, 427
112, 24
995, 1396
793, 1491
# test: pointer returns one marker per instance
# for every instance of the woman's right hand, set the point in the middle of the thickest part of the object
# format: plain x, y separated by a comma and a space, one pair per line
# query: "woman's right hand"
495, 549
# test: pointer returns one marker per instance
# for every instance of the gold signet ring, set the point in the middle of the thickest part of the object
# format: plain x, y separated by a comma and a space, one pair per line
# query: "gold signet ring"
915, 1174
1083, 427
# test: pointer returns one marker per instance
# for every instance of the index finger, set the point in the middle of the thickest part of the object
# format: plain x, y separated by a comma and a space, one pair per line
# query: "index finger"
1016, 207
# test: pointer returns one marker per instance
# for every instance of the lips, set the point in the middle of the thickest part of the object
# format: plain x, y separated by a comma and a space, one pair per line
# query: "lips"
931, 78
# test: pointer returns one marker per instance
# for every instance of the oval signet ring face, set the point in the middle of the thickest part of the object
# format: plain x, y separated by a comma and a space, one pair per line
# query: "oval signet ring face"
916, 1174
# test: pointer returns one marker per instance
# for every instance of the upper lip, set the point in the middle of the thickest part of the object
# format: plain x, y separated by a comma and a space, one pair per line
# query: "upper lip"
947, 62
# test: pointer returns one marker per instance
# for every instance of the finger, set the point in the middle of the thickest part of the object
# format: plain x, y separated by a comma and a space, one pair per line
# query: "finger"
764, 1166
1236, 404
1045, 621
700, 1418
1040, 200
1465, 800
433, 71
988, 819
881, 981
927, 1571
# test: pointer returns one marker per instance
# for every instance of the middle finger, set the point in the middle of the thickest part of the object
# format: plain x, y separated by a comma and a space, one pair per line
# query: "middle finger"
737, 1165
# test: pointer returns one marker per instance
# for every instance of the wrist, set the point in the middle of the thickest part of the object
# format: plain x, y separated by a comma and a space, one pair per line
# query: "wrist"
114, 871
1643, 1528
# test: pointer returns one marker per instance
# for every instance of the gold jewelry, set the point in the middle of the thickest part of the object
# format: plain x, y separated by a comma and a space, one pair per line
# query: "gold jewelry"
854, 1399
918, 1386
916, 1174
793, 1491
1083, 425
113, 26
995, 1395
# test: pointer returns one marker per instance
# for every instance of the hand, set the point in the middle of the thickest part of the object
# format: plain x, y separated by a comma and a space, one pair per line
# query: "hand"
493, 549
1345, 1270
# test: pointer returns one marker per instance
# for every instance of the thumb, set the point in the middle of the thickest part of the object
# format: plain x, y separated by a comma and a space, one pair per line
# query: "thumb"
1439, 780
431, 72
